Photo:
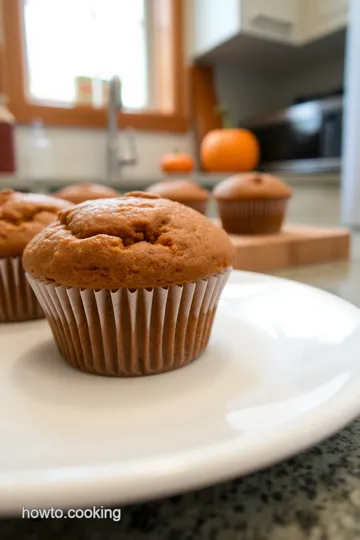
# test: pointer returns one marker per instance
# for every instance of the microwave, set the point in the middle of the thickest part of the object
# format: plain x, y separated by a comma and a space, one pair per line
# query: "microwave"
303, 138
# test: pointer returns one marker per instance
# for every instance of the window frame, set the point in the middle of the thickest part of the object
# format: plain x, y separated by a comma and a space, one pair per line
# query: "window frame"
13, 79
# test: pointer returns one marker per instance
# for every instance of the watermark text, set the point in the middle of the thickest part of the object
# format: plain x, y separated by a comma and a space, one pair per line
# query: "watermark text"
96, 512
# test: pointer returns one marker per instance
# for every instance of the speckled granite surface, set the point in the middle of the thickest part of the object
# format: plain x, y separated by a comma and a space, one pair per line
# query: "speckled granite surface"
313, 496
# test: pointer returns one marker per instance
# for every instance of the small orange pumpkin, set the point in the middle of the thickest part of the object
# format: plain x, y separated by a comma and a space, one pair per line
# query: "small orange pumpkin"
229, 150
177, 163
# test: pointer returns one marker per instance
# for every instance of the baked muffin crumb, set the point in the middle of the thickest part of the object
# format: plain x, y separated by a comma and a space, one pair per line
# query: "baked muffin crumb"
130, 241
22, 216
85, 191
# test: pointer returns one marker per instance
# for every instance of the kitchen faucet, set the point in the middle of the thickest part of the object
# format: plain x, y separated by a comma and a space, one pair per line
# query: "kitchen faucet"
115, 161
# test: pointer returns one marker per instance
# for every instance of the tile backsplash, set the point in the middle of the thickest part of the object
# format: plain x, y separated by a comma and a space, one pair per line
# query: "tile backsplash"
80, 154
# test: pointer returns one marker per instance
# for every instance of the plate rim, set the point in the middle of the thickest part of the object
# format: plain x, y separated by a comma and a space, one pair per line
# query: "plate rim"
147, 479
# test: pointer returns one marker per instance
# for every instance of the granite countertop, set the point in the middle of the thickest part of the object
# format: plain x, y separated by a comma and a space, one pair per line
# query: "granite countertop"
132, 180
313, 496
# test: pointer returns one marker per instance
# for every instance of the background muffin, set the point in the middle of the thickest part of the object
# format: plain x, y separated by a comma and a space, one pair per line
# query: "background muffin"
183, 191
139, 283
81, 192
252, 203
22, 216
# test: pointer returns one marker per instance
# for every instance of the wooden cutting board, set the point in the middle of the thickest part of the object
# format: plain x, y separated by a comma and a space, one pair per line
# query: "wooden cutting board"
296, 245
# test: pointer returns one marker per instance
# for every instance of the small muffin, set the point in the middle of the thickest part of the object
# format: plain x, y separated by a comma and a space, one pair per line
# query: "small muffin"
22, 216
183, 191
129, 285
81, 192
252, 203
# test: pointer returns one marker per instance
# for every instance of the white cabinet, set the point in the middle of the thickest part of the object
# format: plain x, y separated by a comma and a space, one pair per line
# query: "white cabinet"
323, 17
272, 19
213, 22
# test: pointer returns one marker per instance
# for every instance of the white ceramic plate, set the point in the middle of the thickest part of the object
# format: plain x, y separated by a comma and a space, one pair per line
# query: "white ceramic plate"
281, 372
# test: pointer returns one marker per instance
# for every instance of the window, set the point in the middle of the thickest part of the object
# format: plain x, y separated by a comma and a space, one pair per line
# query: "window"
61, 54
98, 43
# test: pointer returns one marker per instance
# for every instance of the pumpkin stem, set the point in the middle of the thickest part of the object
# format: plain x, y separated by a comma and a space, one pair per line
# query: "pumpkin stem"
225, 117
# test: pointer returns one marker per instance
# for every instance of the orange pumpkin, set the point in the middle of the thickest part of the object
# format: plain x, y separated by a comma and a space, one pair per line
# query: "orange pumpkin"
177, 163
229, 150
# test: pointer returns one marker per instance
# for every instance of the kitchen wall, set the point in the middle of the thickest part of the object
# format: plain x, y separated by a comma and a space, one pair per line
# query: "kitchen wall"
249, 93
320, 78
81, 153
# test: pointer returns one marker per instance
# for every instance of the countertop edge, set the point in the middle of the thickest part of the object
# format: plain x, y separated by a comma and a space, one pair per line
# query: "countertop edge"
139, 181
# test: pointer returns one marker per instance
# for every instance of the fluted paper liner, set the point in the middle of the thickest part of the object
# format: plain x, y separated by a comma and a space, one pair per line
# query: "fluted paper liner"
17, 300
252, 217
131, 332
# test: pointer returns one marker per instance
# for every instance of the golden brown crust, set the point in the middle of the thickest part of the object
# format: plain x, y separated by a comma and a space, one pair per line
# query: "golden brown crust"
252, 186
22, 216
138, 240
83, 191
180, 191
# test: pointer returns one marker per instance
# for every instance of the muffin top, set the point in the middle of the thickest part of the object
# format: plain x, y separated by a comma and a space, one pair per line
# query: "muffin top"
138, 240
22, 216
250, 186
180, 190
81, 192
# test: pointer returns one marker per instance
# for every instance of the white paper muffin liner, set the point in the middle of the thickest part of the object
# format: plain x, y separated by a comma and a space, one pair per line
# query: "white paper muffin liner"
252, 217
17, 300
131, 332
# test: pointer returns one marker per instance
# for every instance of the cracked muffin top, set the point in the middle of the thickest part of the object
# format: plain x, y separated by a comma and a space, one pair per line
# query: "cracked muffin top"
83, 191
22, 216
135, 241
180, 190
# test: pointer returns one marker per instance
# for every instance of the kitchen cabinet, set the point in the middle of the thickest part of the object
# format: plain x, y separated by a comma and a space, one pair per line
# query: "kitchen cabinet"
323, 17
214, 22
212, 25
272, 19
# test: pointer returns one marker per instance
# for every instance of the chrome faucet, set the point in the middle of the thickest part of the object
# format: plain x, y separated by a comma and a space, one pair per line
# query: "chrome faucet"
115, 161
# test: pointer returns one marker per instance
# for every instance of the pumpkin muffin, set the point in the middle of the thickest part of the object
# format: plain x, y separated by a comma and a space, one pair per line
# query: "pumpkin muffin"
183, 191
252, 203
22, 216
130, 285
82, 192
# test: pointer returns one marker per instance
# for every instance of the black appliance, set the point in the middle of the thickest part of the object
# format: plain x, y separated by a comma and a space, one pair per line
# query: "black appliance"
306, 137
